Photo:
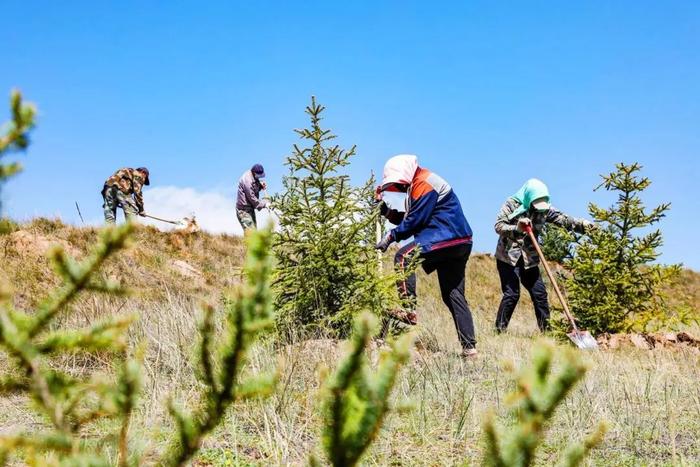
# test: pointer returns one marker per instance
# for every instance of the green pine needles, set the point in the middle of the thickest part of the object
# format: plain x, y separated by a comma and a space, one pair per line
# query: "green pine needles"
327, 270
249, 315
70, 403
357, 401
537, 395
73, 403
558, 244
615, 284
14, 135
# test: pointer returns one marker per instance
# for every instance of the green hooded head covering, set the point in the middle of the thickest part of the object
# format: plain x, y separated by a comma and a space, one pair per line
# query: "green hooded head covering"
532, 189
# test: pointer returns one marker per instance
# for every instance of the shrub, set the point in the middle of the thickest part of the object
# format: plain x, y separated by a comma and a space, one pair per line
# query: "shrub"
614, 285
327, 270
537, 395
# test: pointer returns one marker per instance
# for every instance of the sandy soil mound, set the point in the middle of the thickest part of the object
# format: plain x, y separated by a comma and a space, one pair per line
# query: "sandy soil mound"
33, 244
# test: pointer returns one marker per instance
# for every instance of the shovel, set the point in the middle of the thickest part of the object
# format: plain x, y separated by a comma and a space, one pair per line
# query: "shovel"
582, 339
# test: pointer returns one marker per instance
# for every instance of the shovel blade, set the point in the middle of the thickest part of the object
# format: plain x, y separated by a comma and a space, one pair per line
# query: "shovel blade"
583, 340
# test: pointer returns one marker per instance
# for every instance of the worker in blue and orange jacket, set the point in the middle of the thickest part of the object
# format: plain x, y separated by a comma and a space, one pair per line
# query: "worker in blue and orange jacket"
441, 236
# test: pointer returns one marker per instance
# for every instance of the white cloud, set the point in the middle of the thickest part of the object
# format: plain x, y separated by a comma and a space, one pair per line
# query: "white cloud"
214, 210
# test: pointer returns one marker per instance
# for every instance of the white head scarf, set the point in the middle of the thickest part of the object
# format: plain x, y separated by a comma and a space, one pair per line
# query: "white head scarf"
400, 169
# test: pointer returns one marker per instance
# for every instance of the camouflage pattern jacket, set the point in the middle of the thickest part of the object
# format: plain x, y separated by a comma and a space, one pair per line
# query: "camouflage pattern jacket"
513, 244
130, 182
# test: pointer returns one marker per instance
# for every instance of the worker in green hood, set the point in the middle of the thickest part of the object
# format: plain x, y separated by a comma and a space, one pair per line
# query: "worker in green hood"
516, 258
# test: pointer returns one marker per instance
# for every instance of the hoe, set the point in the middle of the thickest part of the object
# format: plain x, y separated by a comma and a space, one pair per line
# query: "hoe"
187, 224
582, 339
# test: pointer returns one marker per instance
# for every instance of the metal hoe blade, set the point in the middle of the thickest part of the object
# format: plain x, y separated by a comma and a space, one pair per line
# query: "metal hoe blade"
583, 340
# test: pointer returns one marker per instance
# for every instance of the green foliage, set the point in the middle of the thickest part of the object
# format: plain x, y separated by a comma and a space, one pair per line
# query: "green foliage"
357, 401
327, 268
558, 244
249, 315
14, 135
615, 286
537, 395
71, 403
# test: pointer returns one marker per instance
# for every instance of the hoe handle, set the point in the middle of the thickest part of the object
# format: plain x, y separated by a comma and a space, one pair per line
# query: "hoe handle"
159, 219
562, 300
378, 234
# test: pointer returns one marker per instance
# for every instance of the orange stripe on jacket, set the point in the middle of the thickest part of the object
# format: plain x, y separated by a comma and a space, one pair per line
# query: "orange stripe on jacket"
421, 186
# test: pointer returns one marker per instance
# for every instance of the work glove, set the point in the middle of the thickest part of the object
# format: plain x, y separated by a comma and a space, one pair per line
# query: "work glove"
384, 244
378, 194
263, 204
383, 209
142, 213
522, 223
263, 184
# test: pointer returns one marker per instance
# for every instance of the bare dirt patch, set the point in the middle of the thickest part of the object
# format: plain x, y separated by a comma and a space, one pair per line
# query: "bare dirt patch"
667, 340
33, 244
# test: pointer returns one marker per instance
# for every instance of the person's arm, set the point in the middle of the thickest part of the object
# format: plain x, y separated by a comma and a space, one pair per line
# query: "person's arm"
137, 187
417, 218
503, 226
567, 222
392, 215
252, 197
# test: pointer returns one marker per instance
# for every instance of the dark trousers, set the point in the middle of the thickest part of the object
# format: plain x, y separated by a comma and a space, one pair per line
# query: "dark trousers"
450, 264
511, 278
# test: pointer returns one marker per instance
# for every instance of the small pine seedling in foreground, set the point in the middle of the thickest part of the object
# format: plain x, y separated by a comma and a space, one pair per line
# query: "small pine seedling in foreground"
357, 401
70, 403
249, 315
537, 395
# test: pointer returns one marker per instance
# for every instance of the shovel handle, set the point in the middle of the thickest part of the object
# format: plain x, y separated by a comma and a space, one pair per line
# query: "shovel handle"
562, 300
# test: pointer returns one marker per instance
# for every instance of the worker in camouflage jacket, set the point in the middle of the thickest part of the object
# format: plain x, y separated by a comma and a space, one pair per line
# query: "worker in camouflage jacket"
248, 199
516, 258
124, 190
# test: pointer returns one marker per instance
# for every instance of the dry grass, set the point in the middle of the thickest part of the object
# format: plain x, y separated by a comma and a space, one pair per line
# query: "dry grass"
650, 399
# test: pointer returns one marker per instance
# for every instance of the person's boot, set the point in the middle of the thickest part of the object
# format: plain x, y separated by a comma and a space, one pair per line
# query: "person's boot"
469, 354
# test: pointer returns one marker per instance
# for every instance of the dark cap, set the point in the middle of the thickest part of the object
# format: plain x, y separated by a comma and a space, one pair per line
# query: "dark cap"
144, 170
258, 170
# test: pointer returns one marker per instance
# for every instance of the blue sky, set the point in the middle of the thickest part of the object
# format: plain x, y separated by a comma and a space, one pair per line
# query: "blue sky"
487, 94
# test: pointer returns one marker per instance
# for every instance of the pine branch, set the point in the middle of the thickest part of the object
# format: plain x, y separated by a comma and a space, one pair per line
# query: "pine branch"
357, 402
69, 402
248, 315
538, 394
14, 135
17, 130
78, 277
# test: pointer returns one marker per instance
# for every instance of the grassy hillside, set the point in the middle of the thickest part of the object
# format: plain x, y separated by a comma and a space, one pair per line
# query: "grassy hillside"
650, 399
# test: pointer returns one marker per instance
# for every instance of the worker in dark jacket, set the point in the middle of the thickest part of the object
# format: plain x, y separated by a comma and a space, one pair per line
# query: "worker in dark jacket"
442, 236
516, 257
248, 199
